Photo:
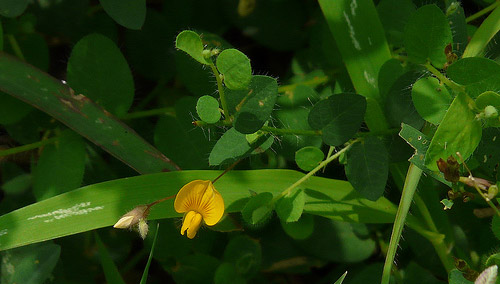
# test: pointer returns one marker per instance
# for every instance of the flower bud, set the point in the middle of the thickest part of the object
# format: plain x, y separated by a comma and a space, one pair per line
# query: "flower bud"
132, 218
490, 111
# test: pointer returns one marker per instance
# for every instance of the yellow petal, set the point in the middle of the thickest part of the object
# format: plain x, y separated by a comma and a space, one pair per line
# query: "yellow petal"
214, 210
187, 221
194, 226
190, 195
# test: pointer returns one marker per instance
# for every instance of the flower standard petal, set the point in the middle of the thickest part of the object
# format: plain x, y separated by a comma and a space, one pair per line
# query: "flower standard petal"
190, 196
214, 210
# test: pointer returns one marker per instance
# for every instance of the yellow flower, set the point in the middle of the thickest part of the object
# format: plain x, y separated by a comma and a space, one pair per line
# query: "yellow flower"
200, 201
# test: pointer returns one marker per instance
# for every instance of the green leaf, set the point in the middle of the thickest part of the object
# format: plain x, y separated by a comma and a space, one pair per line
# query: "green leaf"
341, 279
12, 109
110, 270
65, 158
128, 13
290, 207
389, 73
309, 157
485, 32
426, 36
458, 132
81, 114
246, 255
98, 70
489, 99
101, 205
457, 277
17, 185
258, 209
144, 277
493, 259
235, 66
207, 108
177, 138
339, 117
495, 226
190, 42
431, 99
233, 145
456, 16
399, 105
348, 25
488, 151
226, 273
418, 141
29, 265
301, 229
368, 167
338, 241
394, 15
254, 105
12, 8
477, 74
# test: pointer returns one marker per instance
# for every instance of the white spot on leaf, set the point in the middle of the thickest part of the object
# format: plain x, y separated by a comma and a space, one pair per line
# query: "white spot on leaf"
77, 209
352, 33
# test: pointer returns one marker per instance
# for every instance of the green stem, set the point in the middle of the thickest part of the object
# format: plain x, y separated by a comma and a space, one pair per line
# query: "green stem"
311, 173
27, 147
152, 112
287, 131
15, 46
482, 12
383, 132
495, 209
443, 78
411, 182
223, 102
312, 82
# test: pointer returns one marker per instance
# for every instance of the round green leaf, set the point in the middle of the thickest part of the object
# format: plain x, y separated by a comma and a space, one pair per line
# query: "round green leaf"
368, 167
339, 117
233, 145
258, 209
258, 103
12, 8
289, 207
399, 105
426, 36
190, 42
477, 74
98, 70
66, 158
458, 132
394, 15
488, 99
431, 99
301, 229
235, 66
207, 108
245, 254
128, 13
309, 157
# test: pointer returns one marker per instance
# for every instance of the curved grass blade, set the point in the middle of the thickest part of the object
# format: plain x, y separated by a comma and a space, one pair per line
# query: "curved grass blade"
483, 35
146, 269
78, 112
100, 205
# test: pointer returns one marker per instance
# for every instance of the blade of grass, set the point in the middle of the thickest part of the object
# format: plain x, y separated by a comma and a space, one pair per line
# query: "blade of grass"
111, 272
146, 269
78, 112
364, 50
484, 34
411, 182
100, 205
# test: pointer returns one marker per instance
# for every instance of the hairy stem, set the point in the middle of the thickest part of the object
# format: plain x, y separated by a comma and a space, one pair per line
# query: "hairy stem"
152, 112
220, 87
27, 147
444, 79
411, 182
